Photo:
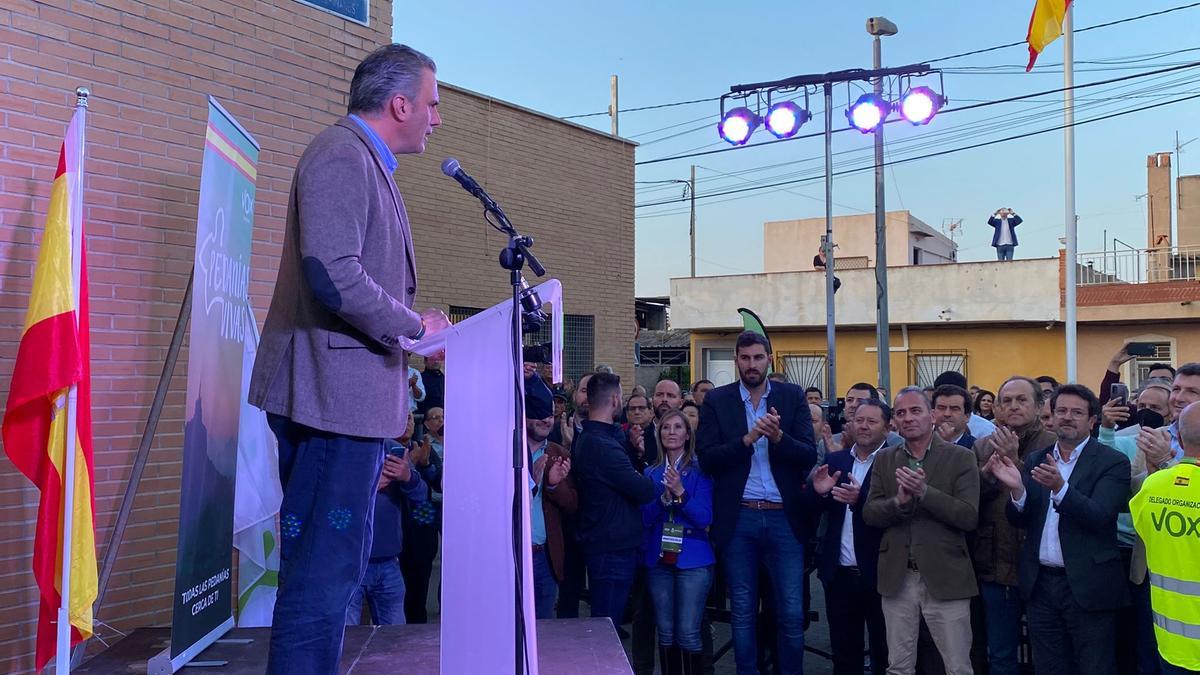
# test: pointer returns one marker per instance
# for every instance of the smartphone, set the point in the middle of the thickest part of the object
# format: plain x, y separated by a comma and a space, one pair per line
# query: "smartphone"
396, 451
1140, 349
1119, 392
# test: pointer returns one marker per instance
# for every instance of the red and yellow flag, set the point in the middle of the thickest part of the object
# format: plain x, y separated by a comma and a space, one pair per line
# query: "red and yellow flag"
52, 358
1045, 25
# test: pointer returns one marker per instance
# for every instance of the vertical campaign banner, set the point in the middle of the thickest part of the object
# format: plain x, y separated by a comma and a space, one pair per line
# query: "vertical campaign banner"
220, 302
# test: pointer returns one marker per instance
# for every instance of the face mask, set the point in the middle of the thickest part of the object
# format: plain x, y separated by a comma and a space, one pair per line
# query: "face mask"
1148, 418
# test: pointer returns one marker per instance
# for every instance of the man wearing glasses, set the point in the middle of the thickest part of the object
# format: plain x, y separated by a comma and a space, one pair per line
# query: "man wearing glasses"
1067, 498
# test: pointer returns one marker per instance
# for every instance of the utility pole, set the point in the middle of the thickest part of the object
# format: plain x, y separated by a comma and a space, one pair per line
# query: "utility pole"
1178, 185
879, 27
1069, 187
827, 247
826, 82
612, 109
692, 229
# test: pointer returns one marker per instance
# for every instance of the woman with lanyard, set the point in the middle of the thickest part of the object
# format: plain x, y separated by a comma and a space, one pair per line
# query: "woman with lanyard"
677, 550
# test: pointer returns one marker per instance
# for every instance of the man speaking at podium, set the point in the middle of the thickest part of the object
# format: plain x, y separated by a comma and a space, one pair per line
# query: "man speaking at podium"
330, 372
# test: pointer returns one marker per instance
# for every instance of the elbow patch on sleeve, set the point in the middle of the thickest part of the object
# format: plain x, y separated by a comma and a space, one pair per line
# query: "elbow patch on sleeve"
321, 285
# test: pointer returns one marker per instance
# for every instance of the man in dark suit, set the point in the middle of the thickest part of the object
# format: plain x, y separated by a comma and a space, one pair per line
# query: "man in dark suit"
1004, 239
850, 548
330, 372
756, 440
1067, 498
951, 409
925, 495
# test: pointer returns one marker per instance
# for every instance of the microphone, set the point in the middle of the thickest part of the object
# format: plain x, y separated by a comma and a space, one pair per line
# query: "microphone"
453, 169
518, 243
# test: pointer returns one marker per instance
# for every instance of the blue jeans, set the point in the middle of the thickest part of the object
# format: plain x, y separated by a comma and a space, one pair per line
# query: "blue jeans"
545, 588
679, 597
1004, 251
1002, 609
610, 578
383, 586
326, 516
765, 537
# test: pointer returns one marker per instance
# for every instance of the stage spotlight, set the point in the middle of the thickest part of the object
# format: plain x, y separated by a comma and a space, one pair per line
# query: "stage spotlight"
737, 125
785, 119
920, 104
868, 113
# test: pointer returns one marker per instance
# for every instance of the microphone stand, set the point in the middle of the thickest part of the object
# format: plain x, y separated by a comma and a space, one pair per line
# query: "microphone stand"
514, 257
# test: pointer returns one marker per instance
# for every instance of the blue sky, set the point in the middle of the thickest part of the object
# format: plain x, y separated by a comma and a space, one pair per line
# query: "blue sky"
558, 57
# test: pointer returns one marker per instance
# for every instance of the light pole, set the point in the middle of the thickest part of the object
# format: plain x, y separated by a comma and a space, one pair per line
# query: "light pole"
879, 27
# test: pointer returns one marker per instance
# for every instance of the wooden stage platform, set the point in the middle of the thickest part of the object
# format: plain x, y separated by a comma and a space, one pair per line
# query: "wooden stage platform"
565, 647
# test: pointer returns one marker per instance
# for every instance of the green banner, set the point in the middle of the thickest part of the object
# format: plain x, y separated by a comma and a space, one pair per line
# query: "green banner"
204, 594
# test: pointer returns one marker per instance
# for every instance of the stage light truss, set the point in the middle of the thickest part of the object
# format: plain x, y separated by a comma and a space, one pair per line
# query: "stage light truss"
784, 114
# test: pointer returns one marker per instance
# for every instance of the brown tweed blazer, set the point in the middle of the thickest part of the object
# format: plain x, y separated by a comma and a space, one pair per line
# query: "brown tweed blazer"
932, 529
329, 355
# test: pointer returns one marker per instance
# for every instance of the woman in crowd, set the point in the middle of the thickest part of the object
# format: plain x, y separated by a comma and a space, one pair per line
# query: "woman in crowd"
984, 403
678, 554
692, 412
423, 521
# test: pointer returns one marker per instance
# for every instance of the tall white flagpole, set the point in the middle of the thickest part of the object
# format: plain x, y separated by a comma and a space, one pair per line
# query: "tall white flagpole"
74, 145
1069, 179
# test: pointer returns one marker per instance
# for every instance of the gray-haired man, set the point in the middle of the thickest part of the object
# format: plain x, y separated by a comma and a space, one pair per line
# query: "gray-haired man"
330, 372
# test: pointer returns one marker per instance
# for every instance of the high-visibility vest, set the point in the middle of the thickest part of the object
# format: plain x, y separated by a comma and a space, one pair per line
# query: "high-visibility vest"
1166, 515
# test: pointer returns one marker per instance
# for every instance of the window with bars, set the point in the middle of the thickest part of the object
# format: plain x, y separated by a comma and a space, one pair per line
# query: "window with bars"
1139, 369
924, 367
805, 369
579, 339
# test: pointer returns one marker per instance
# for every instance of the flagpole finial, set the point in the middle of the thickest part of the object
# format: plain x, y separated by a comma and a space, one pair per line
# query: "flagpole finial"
81, 96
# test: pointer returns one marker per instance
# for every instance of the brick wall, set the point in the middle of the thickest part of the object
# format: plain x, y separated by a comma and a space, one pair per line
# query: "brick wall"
282, 68
568, 187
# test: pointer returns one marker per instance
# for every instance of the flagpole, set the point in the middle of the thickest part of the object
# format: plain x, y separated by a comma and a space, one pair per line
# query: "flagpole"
1069, 179
62, 659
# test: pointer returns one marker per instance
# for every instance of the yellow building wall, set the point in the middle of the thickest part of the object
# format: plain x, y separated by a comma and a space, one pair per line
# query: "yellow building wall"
1097, 344
994, 353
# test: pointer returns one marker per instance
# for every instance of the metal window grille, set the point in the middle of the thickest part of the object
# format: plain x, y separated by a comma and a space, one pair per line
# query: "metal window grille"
457, 314
1141, 370
924, 367
805, 369
579, 339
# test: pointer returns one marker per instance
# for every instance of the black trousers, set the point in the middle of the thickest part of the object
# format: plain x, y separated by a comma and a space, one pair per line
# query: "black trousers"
643, 630
416, 564
1067, 639
852, 604
570, 589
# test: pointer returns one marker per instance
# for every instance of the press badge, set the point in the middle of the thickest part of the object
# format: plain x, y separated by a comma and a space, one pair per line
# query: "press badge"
672, 542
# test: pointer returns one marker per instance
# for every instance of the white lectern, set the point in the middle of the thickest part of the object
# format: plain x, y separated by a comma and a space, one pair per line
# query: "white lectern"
479, 596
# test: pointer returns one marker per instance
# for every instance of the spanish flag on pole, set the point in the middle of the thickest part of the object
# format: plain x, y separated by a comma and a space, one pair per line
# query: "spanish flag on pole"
1045, 25
49, 411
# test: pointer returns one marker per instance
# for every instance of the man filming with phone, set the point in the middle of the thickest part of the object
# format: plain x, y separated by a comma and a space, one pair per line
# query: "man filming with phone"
1154, 446
1004, 221
1129, 352
400, 486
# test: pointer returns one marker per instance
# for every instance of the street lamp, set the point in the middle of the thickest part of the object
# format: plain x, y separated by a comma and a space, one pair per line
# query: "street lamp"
878, 27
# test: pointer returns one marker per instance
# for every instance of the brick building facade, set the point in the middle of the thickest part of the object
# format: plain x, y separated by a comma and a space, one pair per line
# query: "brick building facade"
282, 68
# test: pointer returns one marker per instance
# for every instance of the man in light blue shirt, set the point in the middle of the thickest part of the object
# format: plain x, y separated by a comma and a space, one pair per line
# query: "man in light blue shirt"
756, 440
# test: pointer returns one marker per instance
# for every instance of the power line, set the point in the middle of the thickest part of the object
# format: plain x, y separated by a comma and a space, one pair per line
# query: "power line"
646, 107
946, 135
1191, 64
934, 154
1112, 64
1080, 30
943, 58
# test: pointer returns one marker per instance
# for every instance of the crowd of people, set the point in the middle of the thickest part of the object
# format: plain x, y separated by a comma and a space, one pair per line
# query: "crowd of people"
938, 523
940, 520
